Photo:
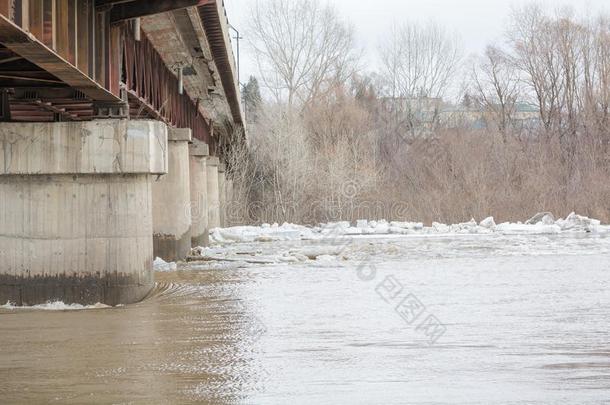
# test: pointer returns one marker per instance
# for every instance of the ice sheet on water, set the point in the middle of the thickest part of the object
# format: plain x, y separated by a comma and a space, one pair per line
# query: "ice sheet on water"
263, 233
55, 306
539, 228
543, 223
578, 222
315, 252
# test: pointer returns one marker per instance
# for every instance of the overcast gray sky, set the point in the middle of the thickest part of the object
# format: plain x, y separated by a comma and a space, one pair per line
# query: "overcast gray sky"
477, 22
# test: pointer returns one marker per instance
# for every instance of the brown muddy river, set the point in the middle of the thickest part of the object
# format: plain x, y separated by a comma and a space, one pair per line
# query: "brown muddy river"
406, 320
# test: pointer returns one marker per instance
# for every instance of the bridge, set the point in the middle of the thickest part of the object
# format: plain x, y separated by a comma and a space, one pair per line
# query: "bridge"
115, 119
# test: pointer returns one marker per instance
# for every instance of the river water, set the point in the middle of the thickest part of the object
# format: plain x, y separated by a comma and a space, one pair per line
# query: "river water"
482, 319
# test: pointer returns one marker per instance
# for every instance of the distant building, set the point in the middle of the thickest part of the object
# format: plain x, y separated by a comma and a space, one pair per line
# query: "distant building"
426, 114
459, 116
421, 114
476, 117
526, 116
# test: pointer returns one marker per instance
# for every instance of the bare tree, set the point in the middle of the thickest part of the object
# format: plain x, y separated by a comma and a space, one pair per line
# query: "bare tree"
551, 51
595, 100
301, 46
419, 60
533, 43
418, 63
565, 61
345, 155
496, 82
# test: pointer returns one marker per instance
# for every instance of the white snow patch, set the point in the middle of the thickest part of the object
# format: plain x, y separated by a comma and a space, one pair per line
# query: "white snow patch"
163, 266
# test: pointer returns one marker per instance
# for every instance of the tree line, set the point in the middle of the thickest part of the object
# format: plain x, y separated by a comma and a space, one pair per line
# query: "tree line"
330, 140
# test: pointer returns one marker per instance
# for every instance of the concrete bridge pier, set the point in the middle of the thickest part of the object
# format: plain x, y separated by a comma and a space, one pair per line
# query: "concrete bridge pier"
229, 202
198, 152
213, 192
222, 194
171, 195
76, 210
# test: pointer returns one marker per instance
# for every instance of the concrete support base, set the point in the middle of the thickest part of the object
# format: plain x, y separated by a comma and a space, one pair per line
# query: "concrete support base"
83, 239
230, 203
171, 201
76, 211
222, 195
213, 192
199, 194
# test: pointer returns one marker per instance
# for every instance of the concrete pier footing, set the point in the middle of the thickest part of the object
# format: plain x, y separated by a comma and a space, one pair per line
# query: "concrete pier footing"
76, 210
172, 199
198, 152
212, 164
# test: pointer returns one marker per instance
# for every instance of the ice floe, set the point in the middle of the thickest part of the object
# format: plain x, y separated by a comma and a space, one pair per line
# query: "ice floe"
579, 223
542, 223
249, 256
55, 306
488, 223
263, 233
162, 266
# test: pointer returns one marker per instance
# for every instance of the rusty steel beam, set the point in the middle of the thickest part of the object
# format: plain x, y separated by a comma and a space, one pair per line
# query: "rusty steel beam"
107, 3
34, 108
61, 111
142, 8
152, 86
31, 49
30, 79
11, 59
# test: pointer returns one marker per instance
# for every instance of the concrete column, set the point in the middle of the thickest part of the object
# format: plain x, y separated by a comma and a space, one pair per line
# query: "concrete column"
171, 201
229, 206
76, 210
222, 194
198, 171
213, 196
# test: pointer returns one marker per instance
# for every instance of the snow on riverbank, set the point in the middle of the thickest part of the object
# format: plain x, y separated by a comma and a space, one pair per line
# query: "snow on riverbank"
542, 223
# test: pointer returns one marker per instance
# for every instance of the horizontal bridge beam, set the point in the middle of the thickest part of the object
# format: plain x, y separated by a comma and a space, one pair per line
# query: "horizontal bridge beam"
142, 8
31, 49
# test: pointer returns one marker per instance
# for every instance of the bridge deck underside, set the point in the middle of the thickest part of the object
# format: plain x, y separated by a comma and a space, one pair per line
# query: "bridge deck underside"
38, 83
